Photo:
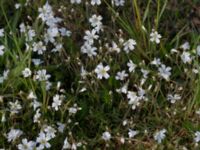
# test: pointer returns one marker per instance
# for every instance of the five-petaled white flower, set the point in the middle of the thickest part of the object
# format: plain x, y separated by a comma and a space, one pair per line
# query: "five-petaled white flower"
173, 98
160, 135
129, 45
56, 102
164, 71
26, 145
101, 71
26, 72
197, 136
95, 2
155, 37
106, 136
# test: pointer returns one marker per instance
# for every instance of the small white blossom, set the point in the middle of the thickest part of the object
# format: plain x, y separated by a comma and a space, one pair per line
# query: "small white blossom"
56, 102
133, 99
15, 107
129, 45
90, 36
101, 71
26, 145
121, 75
186, 58
39, 48
185, 46
119, 2
173, 98
42, 75
1, 32
197, 136
131, 66
95, 2
132, 133
106, 136
155, 37
26, 72
50, 132
43, 140
160, 135
75, 1
13, 134
95, 20
2, 50
164, 71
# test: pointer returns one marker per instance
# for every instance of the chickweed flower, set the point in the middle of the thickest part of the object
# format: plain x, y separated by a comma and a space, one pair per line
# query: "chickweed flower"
197, 136
101, 71
26, 72
129, 45
155, 37
106, 136
160, 135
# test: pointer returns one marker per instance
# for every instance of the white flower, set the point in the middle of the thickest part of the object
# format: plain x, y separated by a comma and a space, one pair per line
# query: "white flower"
26, 72
39, 48
66, 144
156, 62
173, 98
185, 46
164, 71
1, 32
106, 136
35, 104
13, 134
43, 141
45, 12
133, 99
155, 37
37, 62
95, 2
145, 73
26, 145
30, 35
31, 95
132, 133
42, 75
89, 50
114, 48
95, 20
15, 107
50, 132
37, 116
61, 127
186, 58
197, 136
17, 6
119, 2
160, 135
90, 36
2, 50
129, 45
64, 32
73, 110
198, 50
123, 89
56, 102
101, 71
75, 1
121, 75
5, 74
53, 32
131, 66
